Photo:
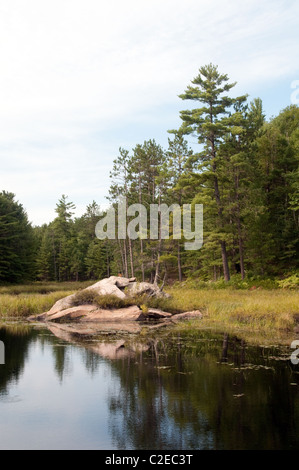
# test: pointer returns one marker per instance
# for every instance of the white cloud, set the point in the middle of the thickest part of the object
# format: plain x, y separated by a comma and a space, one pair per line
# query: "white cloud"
75, 74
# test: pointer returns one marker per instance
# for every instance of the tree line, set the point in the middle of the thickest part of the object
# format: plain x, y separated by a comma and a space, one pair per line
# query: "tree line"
243, 169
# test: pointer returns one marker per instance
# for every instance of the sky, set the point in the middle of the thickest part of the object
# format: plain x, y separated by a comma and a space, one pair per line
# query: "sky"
81, 78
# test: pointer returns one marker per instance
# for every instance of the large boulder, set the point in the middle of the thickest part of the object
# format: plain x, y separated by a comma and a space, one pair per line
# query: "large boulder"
67, 310
140, 288
112, 285
120, 287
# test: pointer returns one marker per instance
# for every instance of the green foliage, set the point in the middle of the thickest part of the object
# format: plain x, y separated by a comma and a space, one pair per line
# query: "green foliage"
235, 282
95, 260
16, 241
290, 282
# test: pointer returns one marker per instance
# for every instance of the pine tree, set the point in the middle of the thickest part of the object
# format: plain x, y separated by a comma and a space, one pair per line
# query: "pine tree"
210, 124
17, 245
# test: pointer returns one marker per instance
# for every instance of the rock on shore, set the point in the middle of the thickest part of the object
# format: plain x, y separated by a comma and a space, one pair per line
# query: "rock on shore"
64, 311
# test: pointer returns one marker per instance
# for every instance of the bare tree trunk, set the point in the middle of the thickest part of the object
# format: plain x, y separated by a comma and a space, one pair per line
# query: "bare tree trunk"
224, 261
158, 263
142, 261
126, 259
152, 267
121, 255
107, 261
131, 257
164, 279
241, 250
179, 262
215, 272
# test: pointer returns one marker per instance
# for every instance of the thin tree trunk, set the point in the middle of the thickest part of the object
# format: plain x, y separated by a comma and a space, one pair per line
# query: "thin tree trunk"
121, 255
107, 262
215, 272
152, 267
241, 250
126, 259
131, 257
142, 262
157, 270
179, 262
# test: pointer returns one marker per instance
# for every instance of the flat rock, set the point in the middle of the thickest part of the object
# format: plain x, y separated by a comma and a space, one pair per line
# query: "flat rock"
113, 285
131, 313
90, 313
187, 315
154, 313
61, 304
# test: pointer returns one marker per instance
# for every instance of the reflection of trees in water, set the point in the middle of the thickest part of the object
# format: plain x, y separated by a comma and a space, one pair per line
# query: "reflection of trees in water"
20, 338
200, 393
64, 361
17, 339
187, 391
149, 409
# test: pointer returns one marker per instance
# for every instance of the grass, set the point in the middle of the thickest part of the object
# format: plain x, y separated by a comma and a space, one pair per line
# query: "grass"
276, 309
23, 305
19, 301
112, 301
256, 311
43, 287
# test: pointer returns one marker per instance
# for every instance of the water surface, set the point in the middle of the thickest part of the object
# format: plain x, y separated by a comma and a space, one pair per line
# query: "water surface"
199, 390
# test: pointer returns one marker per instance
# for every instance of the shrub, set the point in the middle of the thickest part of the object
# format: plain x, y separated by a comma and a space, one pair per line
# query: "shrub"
291, 282
90, 296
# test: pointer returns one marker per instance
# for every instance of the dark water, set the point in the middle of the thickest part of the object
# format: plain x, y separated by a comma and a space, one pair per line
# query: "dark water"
193, 391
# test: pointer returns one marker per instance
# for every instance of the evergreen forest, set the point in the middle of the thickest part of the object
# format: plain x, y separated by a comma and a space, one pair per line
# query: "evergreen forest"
225, 155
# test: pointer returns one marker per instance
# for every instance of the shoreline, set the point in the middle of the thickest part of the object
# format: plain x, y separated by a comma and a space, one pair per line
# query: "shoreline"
258, 316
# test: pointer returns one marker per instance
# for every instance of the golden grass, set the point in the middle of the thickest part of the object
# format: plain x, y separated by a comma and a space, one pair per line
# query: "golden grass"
257, 309
23, 305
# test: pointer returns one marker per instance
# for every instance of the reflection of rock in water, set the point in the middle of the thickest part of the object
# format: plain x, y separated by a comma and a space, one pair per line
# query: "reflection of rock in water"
84, 334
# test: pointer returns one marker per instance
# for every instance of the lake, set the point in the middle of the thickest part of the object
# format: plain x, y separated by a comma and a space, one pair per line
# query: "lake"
193, 390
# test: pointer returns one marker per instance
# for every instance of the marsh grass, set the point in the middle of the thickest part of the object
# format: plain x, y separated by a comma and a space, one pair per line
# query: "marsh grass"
43, 287
112, 301
23, 305
103, 301
257, 309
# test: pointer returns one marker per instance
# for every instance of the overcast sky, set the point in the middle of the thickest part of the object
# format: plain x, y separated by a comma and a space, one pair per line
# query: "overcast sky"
81, 78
